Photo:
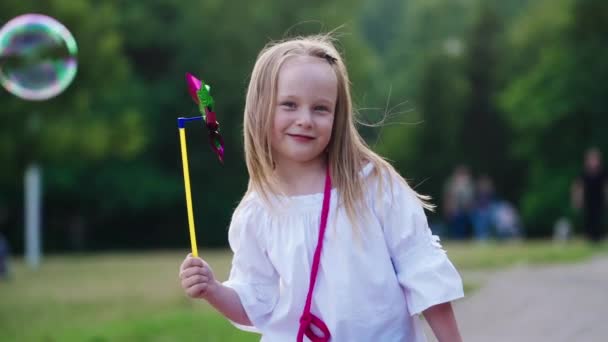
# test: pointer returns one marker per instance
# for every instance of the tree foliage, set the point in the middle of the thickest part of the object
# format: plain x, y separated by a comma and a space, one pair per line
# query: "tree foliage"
512, 88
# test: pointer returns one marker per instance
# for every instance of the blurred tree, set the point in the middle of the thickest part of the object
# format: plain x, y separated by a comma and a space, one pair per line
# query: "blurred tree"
422, 74
555, 99
435, 67
380, 21
110, 141
94, 119
447, 60
425, 73
219, 42
485, 134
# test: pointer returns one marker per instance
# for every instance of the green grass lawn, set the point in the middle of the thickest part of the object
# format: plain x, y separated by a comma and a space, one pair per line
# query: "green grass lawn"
469, 256
137, 297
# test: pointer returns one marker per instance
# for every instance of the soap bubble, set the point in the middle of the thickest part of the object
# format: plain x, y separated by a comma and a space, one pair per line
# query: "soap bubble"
37, 57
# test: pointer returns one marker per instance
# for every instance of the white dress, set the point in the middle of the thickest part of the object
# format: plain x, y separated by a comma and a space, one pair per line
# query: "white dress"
371, 283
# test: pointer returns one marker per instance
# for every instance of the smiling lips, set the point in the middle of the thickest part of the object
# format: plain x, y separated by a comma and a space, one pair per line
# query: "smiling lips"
301, 138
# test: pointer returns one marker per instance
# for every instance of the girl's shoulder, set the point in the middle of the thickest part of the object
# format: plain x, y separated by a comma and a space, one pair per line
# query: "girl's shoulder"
384, 185
250, 205
246, 222
381, 179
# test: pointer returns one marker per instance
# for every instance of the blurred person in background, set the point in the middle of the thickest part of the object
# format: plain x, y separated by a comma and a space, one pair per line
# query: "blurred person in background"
459, 194
506, 221
589, 194
3, 258
481, 217
4, 249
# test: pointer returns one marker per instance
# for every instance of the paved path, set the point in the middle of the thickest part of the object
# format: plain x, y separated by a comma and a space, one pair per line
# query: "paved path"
538, 303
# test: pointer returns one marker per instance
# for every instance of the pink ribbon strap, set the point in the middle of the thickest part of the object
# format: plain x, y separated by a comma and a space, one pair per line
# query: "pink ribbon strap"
308, 319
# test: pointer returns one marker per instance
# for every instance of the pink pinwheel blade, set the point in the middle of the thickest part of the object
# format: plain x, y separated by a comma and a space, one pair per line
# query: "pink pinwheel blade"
194, 84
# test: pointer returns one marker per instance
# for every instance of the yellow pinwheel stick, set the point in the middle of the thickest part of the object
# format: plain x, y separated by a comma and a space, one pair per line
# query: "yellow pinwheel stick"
182, 138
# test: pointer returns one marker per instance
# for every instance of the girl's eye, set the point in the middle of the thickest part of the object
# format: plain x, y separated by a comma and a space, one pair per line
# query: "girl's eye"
288, 104
321, 109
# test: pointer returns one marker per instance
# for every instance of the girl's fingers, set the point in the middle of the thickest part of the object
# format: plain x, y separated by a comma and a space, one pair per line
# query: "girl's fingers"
190, 271
197, 290
190, 262
185, 264
193, 281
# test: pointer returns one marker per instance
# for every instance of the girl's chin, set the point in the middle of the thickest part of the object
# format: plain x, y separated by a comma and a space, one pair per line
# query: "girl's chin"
301, 157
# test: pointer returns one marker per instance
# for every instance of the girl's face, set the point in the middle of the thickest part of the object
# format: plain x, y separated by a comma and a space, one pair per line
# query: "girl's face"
303, 119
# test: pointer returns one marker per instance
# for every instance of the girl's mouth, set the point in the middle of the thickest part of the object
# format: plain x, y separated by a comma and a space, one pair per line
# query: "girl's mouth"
301, 138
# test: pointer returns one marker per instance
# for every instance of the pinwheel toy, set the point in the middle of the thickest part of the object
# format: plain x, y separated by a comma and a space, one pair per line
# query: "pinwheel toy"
201, 96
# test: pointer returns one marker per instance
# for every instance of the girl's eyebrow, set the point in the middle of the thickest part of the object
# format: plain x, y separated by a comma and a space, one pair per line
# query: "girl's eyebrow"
286, 96
320, 100
325, 100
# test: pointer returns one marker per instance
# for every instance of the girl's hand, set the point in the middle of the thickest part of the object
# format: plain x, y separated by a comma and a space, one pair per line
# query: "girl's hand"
197, 278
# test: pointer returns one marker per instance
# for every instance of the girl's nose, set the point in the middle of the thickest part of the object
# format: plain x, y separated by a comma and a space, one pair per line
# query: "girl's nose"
304, 118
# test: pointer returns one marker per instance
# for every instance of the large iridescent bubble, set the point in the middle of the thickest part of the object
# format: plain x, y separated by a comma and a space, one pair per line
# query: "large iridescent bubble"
37, 57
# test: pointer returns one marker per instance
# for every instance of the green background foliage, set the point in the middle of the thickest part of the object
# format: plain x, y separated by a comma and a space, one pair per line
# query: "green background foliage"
514, 89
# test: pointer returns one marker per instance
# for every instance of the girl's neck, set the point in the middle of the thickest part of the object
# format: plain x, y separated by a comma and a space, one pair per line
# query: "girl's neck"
298, 179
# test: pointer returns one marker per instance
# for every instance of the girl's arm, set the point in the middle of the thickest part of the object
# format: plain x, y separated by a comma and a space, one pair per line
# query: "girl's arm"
225, 300
443, 322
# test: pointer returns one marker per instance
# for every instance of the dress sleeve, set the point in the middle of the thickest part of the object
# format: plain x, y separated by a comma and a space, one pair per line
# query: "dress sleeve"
252, 275
423, 269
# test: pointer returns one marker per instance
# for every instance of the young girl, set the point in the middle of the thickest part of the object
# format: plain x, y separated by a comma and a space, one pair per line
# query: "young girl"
329, 241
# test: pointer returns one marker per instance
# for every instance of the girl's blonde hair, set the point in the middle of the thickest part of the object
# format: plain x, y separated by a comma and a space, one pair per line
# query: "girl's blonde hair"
347, 151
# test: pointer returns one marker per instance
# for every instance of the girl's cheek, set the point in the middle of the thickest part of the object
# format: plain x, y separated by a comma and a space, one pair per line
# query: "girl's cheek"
329, 123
